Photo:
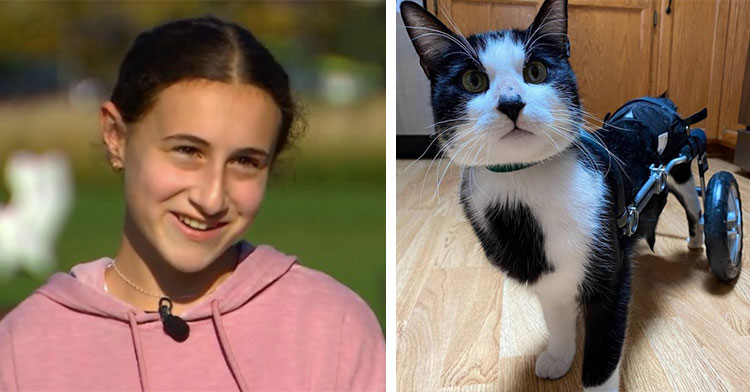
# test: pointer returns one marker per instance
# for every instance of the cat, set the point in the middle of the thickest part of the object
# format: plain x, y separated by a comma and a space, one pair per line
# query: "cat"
539, 199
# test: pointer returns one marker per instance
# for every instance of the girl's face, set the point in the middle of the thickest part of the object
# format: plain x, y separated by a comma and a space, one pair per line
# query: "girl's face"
200, 157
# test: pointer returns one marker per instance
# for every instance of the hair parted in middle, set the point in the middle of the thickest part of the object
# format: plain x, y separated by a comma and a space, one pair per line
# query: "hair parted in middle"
194, 49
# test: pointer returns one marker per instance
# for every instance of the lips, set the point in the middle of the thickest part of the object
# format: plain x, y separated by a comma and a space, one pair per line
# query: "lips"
197, 234
198, 223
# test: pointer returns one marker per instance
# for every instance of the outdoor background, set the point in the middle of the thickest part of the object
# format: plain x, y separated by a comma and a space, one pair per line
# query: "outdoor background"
326, 199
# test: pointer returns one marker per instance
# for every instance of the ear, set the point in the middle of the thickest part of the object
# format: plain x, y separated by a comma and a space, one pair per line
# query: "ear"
430, 37
665, 94
550, 26
113, 134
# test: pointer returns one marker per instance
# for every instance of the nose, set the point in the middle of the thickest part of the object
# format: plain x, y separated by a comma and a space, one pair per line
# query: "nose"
511, 106
209, 194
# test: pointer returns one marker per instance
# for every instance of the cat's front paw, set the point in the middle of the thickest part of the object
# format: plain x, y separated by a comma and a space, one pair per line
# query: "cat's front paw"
550, 366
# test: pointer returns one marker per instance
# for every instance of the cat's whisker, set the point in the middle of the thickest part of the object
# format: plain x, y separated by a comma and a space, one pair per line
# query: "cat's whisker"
573, 139
531, 48
554, 143
601, 143
444, 150
447, 166
593, 133
451, 120
472, 141
470, 52
478, 146
531, 36
434, 139
479, 150
474, 179
543, 24
488, 155
457, 30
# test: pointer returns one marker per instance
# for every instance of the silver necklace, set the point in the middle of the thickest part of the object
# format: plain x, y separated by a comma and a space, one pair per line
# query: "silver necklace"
150, 294
174, 326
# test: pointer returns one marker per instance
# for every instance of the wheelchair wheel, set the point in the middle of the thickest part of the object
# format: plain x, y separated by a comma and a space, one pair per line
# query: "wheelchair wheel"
723, 226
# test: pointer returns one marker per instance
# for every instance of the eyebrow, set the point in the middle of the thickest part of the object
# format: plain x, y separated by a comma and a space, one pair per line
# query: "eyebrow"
199, 141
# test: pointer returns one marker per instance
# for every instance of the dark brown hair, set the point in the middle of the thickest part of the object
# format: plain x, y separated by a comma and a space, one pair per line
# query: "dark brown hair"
200, 48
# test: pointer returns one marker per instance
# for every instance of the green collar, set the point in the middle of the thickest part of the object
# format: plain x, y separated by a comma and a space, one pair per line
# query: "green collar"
509, 167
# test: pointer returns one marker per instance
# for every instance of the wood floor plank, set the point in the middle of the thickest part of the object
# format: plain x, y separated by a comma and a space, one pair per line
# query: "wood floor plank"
456, 315
471, 352
682, 358
418, 260
641, 369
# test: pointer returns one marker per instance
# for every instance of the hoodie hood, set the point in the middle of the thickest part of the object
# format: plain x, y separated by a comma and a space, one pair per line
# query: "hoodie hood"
272, 325
82, 289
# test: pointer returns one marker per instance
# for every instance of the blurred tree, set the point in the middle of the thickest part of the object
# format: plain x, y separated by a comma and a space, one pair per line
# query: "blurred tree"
76, 40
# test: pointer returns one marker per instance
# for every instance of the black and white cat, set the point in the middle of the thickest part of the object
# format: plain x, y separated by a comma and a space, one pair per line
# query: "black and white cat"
507, 110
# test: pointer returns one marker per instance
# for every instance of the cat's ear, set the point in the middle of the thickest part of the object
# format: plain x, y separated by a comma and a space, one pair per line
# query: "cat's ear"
430, 37
551, 26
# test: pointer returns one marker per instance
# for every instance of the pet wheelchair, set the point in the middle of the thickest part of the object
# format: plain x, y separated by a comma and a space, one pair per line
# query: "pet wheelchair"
721, 220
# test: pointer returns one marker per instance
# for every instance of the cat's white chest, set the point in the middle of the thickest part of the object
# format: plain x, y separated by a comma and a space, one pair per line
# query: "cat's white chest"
566, 200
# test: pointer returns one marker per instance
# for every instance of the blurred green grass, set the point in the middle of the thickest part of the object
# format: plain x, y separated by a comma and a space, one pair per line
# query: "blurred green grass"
325, 202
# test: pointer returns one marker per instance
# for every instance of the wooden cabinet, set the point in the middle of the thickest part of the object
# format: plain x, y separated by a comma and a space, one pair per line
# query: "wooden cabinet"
622, 49
704, 46
733, 75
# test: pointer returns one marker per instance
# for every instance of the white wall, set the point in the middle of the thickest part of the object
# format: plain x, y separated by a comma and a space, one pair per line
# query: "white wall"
413, 111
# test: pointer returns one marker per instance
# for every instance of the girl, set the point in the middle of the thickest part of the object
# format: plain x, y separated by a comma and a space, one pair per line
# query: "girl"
198, 115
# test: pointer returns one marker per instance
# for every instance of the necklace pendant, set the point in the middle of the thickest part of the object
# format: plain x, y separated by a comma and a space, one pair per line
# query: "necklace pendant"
174, 326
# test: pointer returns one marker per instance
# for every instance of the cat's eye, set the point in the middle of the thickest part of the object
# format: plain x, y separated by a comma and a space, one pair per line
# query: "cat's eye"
535, 72
474, 81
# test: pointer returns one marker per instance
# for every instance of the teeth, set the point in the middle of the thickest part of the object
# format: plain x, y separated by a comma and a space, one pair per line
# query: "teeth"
194, 223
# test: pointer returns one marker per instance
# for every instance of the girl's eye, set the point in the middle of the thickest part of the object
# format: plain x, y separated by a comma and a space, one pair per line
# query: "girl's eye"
535, 72
474, 81
248, 162
187, 150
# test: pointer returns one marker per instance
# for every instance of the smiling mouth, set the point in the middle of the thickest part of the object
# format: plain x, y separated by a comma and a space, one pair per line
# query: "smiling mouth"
198, 225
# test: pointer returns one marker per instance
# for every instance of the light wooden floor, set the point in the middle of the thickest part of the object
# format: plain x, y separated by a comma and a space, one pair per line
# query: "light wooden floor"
462, 326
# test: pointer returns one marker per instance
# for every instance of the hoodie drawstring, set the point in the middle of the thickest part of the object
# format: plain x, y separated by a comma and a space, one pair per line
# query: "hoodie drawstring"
224, 343
138, 352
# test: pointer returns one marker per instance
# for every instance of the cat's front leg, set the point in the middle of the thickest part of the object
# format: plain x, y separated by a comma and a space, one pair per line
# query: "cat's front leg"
560, 317
605, 319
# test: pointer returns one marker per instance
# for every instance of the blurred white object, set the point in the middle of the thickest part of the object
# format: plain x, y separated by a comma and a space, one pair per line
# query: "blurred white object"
339, 87
41, 197
86, 95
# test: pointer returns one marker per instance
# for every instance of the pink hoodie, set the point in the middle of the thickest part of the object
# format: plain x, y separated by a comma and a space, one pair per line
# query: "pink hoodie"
272, 325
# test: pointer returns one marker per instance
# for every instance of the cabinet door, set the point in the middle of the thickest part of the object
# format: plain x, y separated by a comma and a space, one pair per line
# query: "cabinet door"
611, 41
736, 73
691, 70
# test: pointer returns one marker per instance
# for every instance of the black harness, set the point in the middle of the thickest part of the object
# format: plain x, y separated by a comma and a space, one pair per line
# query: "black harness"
660, 117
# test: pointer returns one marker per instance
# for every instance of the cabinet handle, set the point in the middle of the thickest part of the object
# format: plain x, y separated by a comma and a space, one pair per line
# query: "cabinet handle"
669, 7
